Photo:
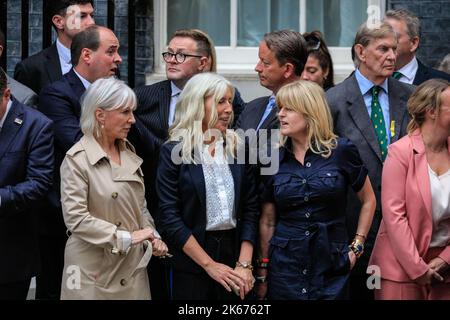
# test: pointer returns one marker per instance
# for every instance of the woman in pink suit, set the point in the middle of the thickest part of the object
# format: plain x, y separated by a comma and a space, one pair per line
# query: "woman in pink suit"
412, 249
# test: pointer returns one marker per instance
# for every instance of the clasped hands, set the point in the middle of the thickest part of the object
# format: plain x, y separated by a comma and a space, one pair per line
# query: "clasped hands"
159, 247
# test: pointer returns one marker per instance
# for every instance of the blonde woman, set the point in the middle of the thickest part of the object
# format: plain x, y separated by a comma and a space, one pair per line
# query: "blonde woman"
112, 234
208, 208
304, 251
412, 248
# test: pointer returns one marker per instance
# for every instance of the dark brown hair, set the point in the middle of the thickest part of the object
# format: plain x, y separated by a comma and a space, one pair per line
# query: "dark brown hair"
318, 49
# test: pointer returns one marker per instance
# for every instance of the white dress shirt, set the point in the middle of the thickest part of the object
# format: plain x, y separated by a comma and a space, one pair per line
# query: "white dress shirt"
85, 83
409, 71
64, 57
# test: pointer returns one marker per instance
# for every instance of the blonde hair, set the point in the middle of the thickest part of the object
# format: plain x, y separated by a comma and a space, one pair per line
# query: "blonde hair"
190, 111
426, 97
308, 99
107, 94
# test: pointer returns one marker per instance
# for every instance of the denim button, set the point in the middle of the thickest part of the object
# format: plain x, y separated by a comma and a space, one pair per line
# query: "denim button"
304, 291
307, 233
307, 215
306, 199
304, 181
308, 164
305, 271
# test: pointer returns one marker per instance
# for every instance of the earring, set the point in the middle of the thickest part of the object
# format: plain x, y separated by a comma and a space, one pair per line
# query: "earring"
102, 126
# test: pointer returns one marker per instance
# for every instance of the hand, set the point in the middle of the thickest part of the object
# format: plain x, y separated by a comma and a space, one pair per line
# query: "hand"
159, 248
227, 277
438, 265
428, 277
142, 235
352, 257
249, 281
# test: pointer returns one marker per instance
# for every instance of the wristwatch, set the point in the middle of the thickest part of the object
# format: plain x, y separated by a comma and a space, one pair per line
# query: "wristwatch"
244, 264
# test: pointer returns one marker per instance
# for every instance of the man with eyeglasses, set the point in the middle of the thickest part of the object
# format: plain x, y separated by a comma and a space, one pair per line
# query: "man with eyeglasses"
190, 51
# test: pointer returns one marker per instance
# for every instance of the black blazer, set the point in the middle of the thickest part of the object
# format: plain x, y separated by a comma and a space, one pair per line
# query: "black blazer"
151, 130
425, 73
182, 205
60, 101
26, 162
39, 69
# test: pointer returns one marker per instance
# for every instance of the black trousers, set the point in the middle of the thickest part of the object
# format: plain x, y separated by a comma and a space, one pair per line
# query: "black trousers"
48, 281
159, 277
15, 290
220, 246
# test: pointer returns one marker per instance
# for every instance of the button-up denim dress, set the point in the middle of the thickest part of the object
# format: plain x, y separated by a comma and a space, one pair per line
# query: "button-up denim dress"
309, 249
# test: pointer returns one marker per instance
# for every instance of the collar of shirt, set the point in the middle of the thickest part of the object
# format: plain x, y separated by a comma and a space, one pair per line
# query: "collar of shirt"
85, 83
175, 90
365, 85
64, 57
409, 71
8, 107
219, 151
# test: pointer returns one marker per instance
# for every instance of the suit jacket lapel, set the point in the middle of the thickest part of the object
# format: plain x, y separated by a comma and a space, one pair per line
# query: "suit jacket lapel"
421, 74
358, 111
397, 103
53, 65
165, 94
259, 113
236, 173
11, 127
196, 171
77, 87
421, 165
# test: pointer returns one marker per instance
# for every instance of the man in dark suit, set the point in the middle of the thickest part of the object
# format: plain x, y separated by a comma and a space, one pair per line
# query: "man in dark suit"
282, 57
26, 162
369, 108
68, 18
94, 55
19, 92
189, 52
409, 69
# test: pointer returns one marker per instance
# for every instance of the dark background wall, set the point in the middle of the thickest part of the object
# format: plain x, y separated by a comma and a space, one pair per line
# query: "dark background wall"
143, 33
434, 16
435, 21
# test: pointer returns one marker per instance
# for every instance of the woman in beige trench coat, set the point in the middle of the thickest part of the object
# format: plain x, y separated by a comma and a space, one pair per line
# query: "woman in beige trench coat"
112, 234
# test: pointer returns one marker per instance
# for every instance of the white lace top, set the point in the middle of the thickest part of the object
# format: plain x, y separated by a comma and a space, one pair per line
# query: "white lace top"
219, 186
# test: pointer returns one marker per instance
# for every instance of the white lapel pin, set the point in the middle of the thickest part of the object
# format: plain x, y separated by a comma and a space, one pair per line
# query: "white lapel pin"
18, 121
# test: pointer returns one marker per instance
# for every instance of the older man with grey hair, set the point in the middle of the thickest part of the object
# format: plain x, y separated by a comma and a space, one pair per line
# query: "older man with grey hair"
369, 108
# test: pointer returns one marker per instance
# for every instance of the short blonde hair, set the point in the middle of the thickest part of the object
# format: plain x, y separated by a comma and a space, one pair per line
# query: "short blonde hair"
308, 99
107, 94
426, 97
190, 111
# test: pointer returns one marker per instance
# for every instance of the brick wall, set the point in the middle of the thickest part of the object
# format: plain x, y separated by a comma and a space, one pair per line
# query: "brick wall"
435, 21
144, 33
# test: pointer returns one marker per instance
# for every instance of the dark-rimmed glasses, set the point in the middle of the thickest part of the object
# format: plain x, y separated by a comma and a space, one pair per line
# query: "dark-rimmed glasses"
180, 57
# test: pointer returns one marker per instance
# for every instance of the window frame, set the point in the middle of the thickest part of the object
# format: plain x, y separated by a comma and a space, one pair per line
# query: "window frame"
248, 56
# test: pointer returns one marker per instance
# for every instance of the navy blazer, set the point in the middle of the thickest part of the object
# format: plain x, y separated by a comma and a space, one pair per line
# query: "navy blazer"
425, 73
60, 101
26, 162
39, 69
182, 205
151, 130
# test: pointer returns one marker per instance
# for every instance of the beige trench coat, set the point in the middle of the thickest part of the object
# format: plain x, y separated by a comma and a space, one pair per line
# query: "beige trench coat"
100, 198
